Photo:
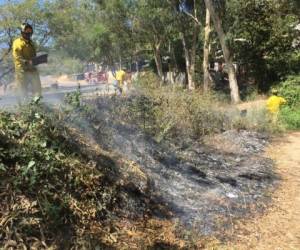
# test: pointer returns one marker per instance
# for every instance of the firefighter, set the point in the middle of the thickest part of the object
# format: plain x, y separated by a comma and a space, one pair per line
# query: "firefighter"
120, 77
26, 73
273, 104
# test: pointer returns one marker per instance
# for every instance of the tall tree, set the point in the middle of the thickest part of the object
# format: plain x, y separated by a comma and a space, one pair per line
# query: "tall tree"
206, 51
263, 35
152, 23
188, 24
228, 57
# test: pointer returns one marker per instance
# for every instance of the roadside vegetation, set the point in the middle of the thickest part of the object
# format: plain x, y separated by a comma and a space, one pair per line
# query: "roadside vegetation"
177, 113
60, 189
51, 191
290, 113
65, 185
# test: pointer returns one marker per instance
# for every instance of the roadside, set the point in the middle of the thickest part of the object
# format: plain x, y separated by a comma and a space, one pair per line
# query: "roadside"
54, 90
279, 228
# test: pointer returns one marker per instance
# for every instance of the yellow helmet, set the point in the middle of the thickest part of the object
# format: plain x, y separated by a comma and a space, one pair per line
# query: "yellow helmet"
274, 91
25, 26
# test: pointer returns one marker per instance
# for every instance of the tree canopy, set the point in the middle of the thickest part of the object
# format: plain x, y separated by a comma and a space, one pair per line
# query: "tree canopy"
261, 36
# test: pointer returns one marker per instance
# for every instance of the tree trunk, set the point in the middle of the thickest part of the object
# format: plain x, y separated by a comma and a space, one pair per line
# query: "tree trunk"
206, 51
234, 88
158, 62
190, 57
187, 64
171, 66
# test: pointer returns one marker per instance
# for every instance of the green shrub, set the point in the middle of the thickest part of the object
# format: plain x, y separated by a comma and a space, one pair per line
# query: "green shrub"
290, 90
290, 113
290, 117
167, 112
148, 80
42, 165
170, 112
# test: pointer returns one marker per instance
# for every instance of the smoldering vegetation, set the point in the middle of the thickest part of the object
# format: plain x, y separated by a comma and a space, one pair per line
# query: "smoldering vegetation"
91, 170
206, 181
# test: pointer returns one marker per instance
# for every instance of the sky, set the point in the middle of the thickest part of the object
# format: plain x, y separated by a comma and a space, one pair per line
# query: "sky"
12, 1
5, 1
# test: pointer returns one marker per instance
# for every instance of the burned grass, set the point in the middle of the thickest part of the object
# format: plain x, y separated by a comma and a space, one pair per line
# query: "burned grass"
94, 176
60, 190
208, 183
50, 189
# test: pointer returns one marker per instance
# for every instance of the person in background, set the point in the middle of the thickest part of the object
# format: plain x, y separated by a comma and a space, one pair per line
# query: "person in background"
273, 104
120, 77
26, 73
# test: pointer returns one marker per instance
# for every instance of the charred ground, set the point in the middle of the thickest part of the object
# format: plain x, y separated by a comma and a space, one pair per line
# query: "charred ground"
94, 174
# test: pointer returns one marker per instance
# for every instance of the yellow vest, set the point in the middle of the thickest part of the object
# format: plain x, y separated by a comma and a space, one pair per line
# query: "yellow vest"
23, 51
274, 102
120, 75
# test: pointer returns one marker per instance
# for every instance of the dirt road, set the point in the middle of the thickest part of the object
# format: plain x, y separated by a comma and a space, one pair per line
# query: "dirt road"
279, 228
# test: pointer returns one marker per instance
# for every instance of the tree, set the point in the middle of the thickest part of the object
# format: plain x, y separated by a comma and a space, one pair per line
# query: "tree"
117, 43
262, 35
152, 24
190, 51
188, 25
206, 51
235, 96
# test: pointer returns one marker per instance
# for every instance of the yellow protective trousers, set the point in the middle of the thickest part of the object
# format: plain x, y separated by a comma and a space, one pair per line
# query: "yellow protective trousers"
28, 81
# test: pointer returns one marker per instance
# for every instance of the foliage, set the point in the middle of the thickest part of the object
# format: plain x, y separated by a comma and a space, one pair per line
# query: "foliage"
290, 90
290, 117
73, 99
178, 114
256, 119
60, 191
262, 36
42, 167
173, 113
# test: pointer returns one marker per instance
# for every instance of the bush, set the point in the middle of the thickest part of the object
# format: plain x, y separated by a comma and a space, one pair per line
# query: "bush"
60, 190
167, 112
48, 182
256, 119
290, 117
290, 90
170, 112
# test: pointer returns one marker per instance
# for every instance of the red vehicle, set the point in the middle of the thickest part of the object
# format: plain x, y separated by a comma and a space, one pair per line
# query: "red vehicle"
96, 77
102, 77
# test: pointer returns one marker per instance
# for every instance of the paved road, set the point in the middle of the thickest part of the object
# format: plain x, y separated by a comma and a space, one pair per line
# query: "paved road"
56, 96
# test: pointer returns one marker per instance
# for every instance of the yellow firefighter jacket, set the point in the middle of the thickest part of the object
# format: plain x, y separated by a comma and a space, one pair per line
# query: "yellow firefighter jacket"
120, 76
274, 103
26, 74
23, 51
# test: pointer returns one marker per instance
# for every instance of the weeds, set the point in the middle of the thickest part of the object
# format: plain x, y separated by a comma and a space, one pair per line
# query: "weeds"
166, 113
290, 114
178, 114
59, 190
41, 167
